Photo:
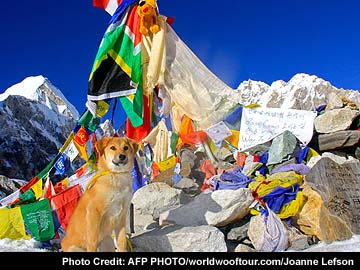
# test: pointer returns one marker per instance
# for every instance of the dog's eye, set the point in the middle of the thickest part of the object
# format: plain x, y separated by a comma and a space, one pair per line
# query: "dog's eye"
113, 148
126, 148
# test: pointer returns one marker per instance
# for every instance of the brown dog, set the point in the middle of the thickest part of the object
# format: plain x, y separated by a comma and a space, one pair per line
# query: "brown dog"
103, 207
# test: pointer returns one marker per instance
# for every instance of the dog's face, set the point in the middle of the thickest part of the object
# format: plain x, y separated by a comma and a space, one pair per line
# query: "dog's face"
116, 154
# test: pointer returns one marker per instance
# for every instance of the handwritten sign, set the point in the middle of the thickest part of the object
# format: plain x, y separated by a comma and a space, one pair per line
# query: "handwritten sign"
260, 125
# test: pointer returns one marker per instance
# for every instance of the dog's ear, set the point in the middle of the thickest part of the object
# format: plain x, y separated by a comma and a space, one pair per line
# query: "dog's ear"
101, 144
133, 144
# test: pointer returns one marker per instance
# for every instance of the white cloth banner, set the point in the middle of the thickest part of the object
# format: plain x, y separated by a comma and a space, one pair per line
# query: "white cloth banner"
71, 151
260, 125
82, 181
10, 198
193, 87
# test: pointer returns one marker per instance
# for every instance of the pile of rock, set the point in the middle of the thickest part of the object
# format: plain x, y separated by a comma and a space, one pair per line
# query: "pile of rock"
192, 215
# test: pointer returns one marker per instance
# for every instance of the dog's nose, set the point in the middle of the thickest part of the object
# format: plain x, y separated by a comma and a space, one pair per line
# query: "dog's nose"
122, 157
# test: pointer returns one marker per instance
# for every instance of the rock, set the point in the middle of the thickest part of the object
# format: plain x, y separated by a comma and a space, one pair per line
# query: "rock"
8, 186
250, 167
335, 120
239, 232
339, 188
218, 208
357, 153
187, 156
188, 186
142, 222
259, 149
313, 160
333, 102
180, 239
222, 154
315, 219
338, 140
337, 158
297, 240
282, 147
244, 248
155, 196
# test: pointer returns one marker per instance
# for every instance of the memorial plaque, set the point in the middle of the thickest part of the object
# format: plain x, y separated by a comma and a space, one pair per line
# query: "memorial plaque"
339, 187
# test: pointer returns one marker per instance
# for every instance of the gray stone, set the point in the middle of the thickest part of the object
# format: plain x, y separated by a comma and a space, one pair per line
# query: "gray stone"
337, 158
282, 147
297, 240
313, 160
180, 239
238, 233
187, 156
218, 208
259, 149
338, 186
155, 196
338, 140
188, 186
222, 154
244, 248
357, 153
250, 167
142, 222
8, 186
333, 102
335, 120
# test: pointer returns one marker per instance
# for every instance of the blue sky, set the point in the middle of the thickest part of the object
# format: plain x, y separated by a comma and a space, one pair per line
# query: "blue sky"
238, 40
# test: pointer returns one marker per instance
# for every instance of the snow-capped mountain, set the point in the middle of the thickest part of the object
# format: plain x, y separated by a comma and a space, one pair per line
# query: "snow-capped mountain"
35, 120
40, 89
302, 92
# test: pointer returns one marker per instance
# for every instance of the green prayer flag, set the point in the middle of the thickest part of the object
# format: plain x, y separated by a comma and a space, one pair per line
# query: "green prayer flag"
38, 220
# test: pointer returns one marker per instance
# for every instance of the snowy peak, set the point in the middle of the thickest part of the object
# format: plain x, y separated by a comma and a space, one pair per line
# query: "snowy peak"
40, 89
302, 92
36, 120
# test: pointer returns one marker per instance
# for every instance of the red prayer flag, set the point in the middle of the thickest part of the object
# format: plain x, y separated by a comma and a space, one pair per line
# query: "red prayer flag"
65, 203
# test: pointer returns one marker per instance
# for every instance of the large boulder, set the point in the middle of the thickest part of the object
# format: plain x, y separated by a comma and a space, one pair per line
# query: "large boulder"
180, 239
218, 208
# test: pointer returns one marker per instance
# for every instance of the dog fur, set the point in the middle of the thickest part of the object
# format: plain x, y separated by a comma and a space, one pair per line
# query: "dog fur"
103, 207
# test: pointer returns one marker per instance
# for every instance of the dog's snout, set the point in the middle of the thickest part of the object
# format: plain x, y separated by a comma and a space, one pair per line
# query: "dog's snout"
122, 157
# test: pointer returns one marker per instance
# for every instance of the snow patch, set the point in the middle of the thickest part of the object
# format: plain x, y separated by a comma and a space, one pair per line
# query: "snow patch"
31, 88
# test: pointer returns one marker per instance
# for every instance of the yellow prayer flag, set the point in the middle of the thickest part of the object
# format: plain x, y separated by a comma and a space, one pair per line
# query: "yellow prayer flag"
102, 108
12, 224
37, 188
166, 164
82, 150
